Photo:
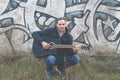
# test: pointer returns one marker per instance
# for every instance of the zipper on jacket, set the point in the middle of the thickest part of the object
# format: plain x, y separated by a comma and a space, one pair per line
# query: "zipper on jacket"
59, 40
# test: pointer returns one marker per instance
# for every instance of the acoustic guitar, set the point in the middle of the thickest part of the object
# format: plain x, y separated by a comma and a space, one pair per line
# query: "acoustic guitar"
40, 52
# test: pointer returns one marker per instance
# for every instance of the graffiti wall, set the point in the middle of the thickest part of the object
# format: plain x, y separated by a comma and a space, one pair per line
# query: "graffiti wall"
91, 22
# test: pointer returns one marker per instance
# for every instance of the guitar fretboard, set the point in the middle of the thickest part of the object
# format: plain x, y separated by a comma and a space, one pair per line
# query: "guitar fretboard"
53, 45
63, 46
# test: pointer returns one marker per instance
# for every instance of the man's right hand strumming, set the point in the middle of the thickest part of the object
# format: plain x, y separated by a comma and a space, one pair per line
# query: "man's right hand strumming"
45, 45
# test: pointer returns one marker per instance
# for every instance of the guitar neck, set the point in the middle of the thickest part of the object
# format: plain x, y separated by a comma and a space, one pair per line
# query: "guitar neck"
63, 46
53, 45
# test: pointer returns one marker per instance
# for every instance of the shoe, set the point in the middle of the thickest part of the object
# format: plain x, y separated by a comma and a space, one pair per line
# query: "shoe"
49, 73
61, 72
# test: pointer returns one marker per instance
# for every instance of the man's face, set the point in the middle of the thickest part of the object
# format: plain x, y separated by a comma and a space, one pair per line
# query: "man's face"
61, 24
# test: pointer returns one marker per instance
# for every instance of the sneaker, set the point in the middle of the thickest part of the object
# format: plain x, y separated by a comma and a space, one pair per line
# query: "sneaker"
49, 73
61, 72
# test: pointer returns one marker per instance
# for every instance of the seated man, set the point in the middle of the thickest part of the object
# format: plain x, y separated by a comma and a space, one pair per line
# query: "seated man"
63, 55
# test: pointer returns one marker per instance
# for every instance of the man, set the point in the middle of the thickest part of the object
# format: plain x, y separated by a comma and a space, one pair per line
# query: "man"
64, 57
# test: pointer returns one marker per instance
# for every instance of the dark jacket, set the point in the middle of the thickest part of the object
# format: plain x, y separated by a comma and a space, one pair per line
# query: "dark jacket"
66, 38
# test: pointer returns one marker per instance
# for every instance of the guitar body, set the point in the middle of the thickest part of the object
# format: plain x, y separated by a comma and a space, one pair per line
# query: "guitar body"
39, 51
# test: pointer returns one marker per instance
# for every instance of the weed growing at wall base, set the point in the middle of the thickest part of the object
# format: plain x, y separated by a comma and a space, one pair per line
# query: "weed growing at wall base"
27, 67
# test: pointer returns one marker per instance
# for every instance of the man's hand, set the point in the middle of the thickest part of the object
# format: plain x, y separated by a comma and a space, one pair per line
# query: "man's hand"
76, 48
45, 45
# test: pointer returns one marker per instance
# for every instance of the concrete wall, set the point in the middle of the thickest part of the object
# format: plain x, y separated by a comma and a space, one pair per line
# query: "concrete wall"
93, 22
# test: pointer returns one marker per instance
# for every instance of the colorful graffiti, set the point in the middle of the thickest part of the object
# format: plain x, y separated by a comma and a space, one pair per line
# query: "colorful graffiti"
96, 23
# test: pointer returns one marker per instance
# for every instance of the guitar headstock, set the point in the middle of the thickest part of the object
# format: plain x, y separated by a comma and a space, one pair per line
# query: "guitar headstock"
85, 47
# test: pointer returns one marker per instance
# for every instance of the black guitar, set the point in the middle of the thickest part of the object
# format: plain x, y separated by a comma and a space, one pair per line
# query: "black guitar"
40, 52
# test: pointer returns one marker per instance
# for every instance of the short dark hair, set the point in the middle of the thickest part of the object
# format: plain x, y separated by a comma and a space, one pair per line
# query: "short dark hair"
61, 18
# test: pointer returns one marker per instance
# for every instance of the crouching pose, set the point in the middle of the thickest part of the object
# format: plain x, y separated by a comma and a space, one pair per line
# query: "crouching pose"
63, 57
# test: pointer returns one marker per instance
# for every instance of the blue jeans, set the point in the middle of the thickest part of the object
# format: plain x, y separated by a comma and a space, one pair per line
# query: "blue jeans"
61, 61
